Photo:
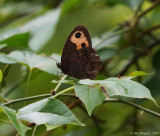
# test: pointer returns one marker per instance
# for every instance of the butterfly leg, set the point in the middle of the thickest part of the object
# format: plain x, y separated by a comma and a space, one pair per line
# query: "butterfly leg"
57, 75
61, 75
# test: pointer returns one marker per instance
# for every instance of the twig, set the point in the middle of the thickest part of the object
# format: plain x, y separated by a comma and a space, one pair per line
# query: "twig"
26, 99
139, 7
72, 105
70, 95
153, 28
37, 97
2, 98
59, 84
137, 18
148, 32
134, 105
141, 53
63, 91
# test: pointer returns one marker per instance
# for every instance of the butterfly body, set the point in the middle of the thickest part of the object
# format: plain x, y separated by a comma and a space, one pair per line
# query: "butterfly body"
78, 57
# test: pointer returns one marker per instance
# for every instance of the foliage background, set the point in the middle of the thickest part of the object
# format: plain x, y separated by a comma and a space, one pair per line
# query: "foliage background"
126, 36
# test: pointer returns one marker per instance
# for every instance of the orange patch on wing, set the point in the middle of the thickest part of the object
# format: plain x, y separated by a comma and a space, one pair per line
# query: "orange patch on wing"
79, 41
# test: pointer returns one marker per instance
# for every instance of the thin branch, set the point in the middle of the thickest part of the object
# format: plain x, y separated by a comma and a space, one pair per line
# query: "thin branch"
153, 28
139, 7
134, 105
72, 105
38, 97
3, 99
59, 84
140, 54
147, 32
71, 95
63, 91
26, 99
137, 18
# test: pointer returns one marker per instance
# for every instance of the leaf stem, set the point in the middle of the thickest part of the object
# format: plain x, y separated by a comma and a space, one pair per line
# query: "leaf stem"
28, 80
6, 122
2, 98
63, 91
59, 84
34, 130
134, 105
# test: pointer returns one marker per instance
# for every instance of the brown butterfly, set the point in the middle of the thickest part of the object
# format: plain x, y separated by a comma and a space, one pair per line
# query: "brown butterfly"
78, 57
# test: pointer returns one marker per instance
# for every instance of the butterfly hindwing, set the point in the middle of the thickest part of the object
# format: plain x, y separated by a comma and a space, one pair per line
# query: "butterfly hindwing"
78, 57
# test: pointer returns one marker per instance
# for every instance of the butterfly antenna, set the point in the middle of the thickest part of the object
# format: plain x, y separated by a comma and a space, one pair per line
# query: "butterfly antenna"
50, 58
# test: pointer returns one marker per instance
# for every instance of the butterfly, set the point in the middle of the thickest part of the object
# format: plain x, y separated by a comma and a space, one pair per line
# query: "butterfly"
79, 59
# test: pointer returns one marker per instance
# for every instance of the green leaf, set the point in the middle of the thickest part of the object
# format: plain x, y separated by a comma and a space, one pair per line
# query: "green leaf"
106, 53
71, 5
50, 127
32, 60
106, 40
13, 118
5, 73
40, 29
15, 39
123, 87
1, 110
91, 96
11, 10
48, 111
2, 46
138, 73
1, 76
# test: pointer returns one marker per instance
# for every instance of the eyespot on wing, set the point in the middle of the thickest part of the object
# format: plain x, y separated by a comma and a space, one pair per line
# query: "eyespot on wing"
79, 39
